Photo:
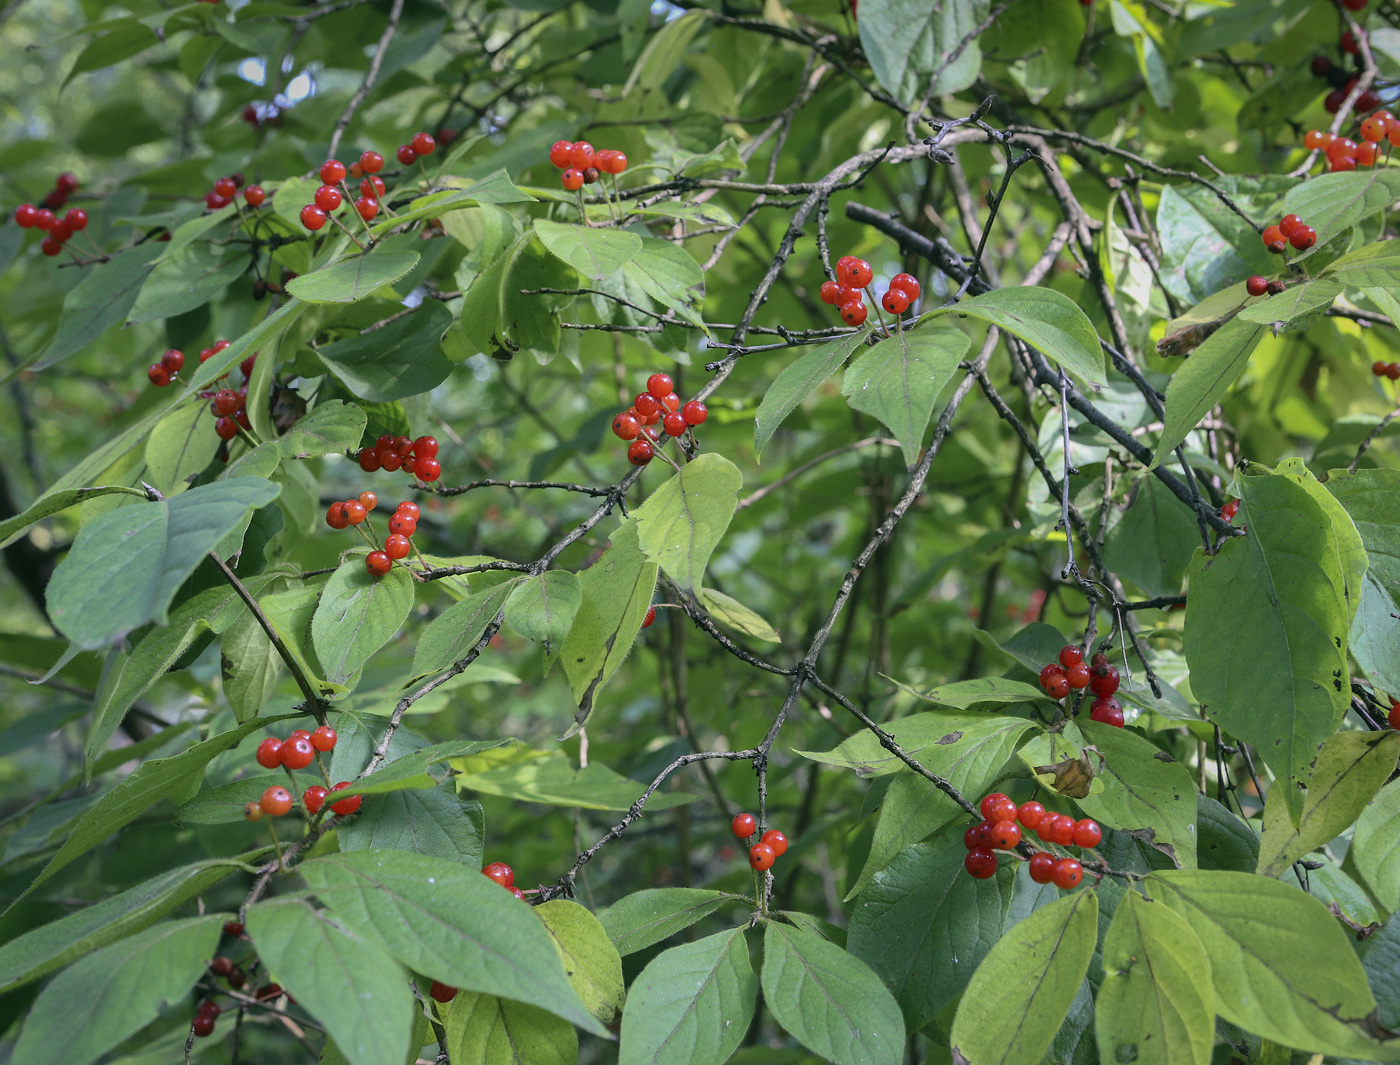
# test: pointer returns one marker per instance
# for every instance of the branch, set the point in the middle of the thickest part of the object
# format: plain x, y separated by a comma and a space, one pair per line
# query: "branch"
373, 72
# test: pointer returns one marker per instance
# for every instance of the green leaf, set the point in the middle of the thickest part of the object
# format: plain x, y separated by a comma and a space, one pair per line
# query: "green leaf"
617, 593
342, 977
414, 770
452, 633
554, 781
592, 964
188, 279
692, 1003
431, 821
594, 253
1293, 303
735, 615
542, 608
1020, 994
358, 614
402, 359
1350, 770
150, 782
1206, 247
682, 522
1146, 792
1256, 931
646, 917
494, 188
121, 987
900, 379
126, 38
41, 950
126, 565
353, 279
1045, 319
1151, 546
963, 694
1373, 266
498, 318
1155, 1006
662, 55
331, 428
267, 330
669, 274
1274, 599
908, 41
225, 804
1203, 380
99, 301
180, 447
291, 613
55, 502
797, 380
1375, 848
1351, 560
924, 925
448, 922
487, 1030
1372, 499
829, 1000
1333, 203
1226, 842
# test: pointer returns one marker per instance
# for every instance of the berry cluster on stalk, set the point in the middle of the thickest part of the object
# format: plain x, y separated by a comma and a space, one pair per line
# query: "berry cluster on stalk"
1001, 829
769, 847
1071, 673
655, 413
224, 191
334, 192
853, 280
1290, 230
583, 165
56, 229
417, 458
402, 525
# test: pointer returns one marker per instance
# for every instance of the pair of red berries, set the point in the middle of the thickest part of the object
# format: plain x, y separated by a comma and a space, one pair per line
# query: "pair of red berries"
162, 373
659, 403
314, 798
419, 145
204, 1018
504, 875
1000, 830
1290, 230
1386, 369
223, 192
298, 750
771, 846
1230, 509
1260, 286
418, 458
582, 165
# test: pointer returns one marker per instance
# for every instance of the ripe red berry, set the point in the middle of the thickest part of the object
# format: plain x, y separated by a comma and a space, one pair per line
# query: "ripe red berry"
906, 283
332, 172
269, 754
423, 143
158, 375
1256, 285
409, 509
440, 992
202, 1025
1058, 687
297, 734
221, 966
214, 201
76, 219
659, 386
1005, 835
1107, 711
403, 523
1366, 154
367, 206
373, 187
854, 313
1394, 716
1274, 240
611, 162
1377, 368
313, 798
761, 857
406, 155
429, 469
997, 807
776, 840
743, 826
336, 517
425, 447
500, 872
313, 217
25, 214
695, 412
651, 617
1348, 44
559, 154
1030, 814
1087, 833
1062, 830
378, 563
895, 301
1104, 681
572, 178
226, 402
371, 162
1303, 238
1068, 874
626, 427
225, 189
323, 739
44, 219
1050, 672
1392, 370
640, 452
855, 274
674, 424
981, 863
346, 806
1042, 867
276, 801
51, 247
233, 928
1077, 676
253, 195
397, 546
226, 428
297, 753
581, 155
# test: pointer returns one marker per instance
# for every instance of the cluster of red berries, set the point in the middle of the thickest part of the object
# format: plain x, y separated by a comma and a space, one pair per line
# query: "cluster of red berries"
659, 403
298, 751
1000, 829
1229, 510
223, 967
419, 145
58, 230
1071, 673
402, 525
1260, 286
333, 191
1386, 369
582, 165
223, 192
853, 278
504, 875
418, 458
1290, 230
771, 846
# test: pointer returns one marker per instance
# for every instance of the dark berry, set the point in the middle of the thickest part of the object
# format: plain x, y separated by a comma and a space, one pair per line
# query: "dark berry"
1274, 240
981, 863
440, 992
1042, 867
1256, 285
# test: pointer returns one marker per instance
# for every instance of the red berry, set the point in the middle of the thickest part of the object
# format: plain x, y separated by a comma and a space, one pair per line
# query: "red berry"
1107, 711
226, 428
269, 754
1315, 139
323, 739
1354, 5
1030, 814
500, 872
989, 805
1366, 154
855, 274
158, 375
829, 293
367, 206
214, 201
346, 806
221, 966
332, 172
572, 178
313, 217
397, 546
776, 840
1087, 833
409, 509
313, 798
225, 189
1320, 65
1392, 370
1230, 509
429, 469
1050, 672
695, 412
1394, 716
981, 863
425, 447
423, 143
276, 801
254, 195
614, 163
226, 402
646, 404
761, 857
173, 360
371, 162
1377, 368
1005, 835
1274, 240
403, 523
659, 386
1104, 681
406, 155
674, 424
1068, 874
908, 284
581, 155
25, 214
76, 219
1042, 867
237, 978
378, 563
336, 517
1062, 830
651, 617
297, 753
1347, 42
853, 313
559, 154
743, 826
1303, 238
51, 247
66, 182
640, 452
1256, 285
202, 1025
1058, 687
233, 928
1070, 655
1077, 676
1333, 101
440, 992
373, 187
44, 219
1099, 659
895, 301
626, 427
61, 230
